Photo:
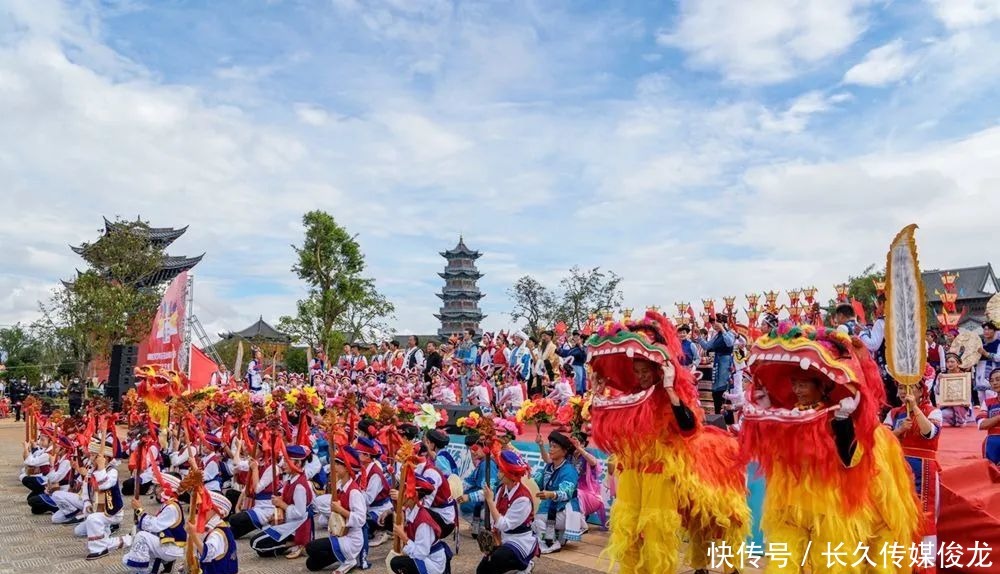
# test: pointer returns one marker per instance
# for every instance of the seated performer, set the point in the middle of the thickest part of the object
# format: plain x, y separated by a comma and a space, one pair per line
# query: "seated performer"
212, 463
216, 547
917, 425
347, 548
512, 511
989, 421
37, 461
159, 538
289, 536
73, 503
264, 492
376, 487
557, 481
108, 510
439, 502
150, 457
471, 503
59, 478
436, 442
424, 550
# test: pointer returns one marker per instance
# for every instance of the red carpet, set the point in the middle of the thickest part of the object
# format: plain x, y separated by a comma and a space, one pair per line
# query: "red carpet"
970, 496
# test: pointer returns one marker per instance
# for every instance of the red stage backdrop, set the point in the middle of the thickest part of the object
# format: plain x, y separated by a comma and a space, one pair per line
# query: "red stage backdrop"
164, 345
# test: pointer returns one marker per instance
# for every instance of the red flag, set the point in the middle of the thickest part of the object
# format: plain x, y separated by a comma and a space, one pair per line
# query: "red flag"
859, 310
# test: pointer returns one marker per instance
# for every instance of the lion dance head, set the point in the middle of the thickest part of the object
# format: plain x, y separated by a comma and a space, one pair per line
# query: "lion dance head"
800, 376
628, 360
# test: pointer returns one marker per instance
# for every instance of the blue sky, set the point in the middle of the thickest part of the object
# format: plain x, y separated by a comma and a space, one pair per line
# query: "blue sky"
698, 148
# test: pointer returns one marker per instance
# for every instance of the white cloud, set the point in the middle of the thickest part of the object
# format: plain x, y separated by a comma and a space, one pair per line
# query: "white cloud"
466, 122
957, 14
796, 117
311, 114
765, 41
884, 65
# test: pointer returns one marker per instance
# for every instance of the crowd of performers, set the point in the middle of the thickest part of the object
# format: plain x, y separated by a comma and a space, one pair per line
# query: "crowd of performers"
332, 463
460, 370
322, 472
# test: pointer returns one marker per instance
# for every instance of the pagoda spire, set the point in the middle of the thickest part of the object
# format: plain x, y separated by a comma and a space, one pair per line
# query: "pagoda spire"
460, 295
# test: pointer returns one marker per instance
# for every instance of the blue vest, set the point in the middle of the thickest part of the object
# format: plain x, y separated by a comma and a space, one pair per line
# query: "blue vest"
175, 533
228, 564
113, 503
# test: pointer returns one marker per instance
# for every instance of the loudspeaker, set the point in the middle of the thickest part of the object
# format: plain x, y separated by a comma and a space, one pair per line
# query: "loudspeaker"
716, 421
121, 374
454, 413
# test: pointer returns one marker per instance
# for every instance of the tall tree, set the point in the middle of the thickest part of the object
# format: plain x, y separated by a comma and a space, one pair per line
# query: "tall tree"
331, 263
20, 353
862, 288
588, 291
534, 303
110, 303
367, 318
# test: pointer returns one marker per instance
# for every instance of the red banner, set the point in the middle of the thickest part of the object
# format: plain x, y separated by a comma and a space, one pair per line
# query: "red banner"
202, 368
164, 345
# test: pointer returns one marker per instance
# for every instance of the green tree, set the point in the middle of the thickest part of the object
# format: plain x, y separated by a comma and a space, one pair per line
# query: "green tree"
331, 263
20, 354
295, 360
534, 303
366, 318
113, 302
588, 291
862, 288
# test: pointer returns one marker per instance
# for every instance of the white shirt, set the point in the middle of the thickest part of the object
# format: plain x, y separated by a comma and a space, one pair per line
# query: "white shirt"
420, 547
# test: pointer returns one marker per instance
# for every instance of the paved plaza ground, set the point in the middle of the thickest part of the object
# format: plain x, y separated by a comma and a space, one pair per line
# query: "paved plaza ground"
33, 545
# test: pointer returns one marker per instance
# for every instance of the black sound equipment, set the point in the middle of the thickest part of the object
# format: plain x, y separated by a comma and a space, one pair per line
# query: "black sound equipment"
716, 421
121, 374
454, 413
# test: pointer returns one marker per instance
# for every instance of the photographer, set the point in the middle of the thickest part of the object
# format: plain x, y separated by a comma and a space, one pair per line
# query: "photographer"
75, 394
721, 346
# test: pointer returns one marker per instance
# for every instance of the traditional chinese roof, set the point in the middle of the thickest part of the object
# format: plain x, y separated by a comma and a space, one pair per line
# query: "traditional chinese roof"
457, 273
972, 283
260, 331
461, 293
170, 268
471, 314
461, 250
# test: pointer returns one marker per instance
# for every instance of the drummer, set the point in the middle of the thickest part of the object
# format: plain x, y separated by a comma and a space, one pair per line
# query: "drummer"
347, 548
512, 511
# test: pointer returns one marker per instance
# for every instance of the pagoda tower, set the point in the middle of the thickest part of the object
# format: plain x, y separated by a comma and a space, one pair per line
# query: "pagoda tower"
460, 296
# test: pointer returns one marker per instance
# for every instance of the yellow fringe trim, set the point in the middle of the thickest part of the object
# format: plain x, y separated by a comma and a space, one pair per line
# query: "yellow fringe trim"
803, 510
653, 512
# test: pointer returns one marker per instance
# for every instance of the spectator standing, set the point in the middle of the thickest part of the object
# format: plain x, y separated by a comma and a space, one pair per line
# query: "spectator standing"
468, 355
691, 356
19, 390
547, 353
433, 361
75, 392
576, 356
220, 378
414, 357
990, 360
721, 346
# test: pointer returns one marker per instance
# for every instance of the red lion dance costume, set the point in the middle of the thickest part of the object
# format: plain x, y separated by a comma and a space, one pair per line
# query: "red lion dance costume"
675, 476
835, 475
